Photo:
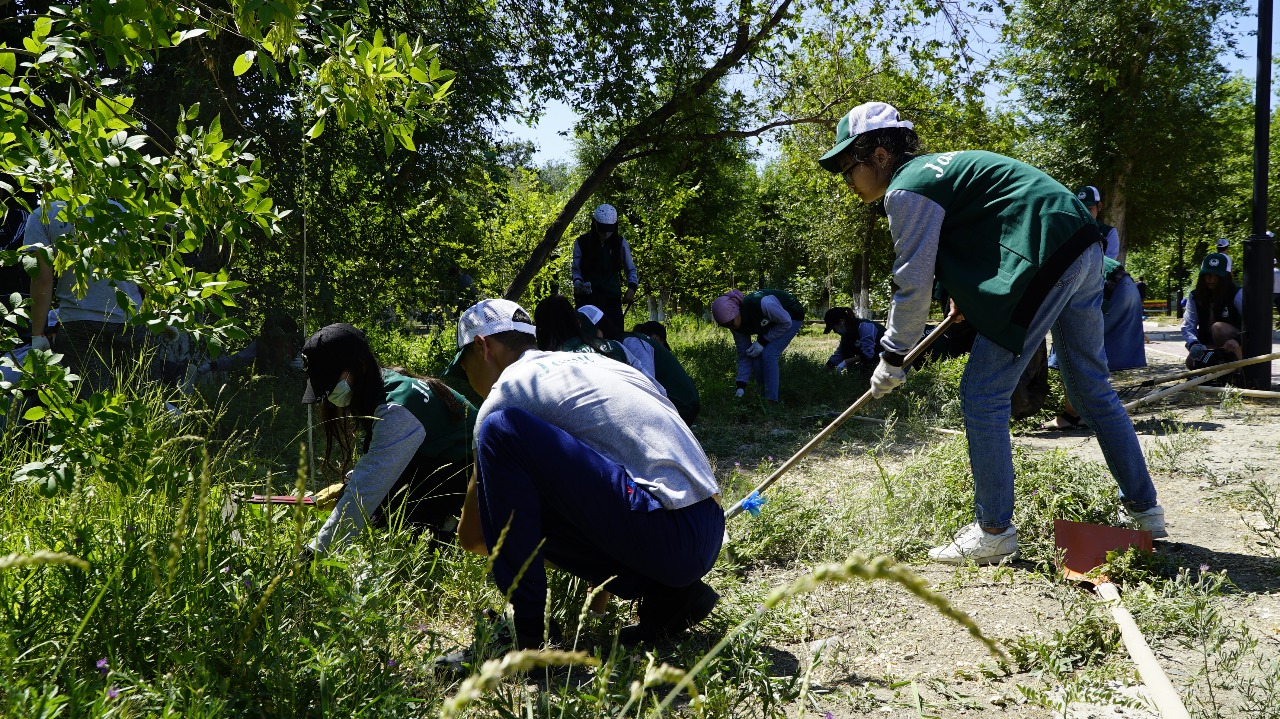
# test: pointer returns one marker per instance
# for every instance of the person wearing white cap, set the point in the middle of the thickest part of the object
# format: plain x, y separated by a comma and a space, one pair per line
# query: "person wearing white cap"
1222, 245
600, 257
1020, 257
1092, 199
581, 463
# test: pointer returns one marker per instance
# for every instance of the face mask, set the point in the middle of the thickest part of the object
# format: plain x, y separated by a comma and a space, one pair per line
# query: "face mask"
341, 394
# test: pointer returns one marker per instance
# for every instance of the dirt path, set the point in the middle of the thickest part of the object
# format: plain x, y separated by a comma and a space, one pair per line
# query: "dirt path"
882, 652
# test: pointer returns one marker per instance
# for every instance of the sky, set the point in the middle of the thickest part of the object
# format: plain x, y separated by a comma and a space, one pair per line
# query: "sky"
552, 133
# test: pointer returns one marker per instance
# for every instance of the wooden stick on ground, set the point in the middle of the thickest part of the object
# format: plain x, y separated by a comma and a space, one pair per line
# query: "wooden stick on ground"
1162, 692
1159, 394
915, 353
1259, 393
1204, 370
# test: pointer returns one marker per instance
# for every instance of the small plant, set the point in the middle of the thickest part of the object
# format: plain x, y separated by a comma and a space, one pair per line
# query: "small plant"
1178, 452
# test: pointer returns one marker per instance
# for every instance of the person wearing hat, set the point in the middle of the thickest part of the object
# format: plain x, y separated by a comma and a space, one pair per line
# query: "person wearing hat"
1214, 315
600, 257
582, 463
1020, 257
417, 436
1092, 200
655, 359
763, 323
859, 340
1222, 245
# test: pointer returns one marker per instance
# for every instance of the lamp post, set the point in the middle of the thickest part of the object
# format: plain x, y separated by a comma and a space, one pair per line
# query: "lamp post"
1259, 248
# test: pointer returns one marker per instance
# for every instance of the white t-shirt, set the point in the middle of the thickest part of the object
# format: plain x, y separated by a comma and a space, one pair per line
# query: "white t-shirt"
99, 302
615, 410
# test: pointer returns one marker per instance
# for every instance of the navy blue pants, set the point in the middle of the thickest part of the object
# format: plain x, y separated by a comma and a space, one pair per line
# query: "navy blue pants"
597, 523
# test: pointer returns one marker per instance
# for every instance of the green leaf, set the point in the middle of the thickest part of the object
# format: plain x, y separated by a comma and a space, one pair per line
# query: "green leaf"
8, 63
179, 37
34, 414
243, 63
316, 129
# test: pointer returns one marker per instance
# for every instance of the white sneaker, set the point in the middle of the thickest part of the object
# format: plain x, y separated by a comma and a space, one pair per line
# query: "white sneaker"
1151, 520
972, 543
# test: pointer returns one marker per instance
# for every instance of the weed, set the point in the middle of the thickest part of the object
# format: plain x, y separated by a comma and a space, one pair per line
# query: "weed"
1178, 452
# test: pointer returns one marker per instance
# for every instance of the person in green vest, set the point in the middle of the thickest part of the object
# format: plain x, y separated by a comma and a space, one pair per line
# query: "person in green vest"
658, 362
601, 258
763, 323
415, 457
1021, 257
561, 328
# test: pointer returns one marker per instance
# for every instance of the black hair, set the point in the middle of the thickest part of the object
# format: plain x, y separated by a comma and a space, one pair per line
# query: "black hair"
902, 144
342, 424
655, 330
557, 322
514, 340
609, 329
1224, 293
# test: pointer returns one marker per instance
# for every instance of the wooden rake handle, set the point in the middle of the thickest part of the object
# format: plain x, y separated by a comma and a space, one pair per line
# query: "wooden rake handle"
914, 354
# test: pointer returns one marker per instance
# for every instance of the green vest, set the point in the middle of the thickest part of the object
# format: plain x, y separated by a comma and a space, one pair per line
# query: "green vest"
445, 438
680, 387
1008, 234
753, 319
608, 348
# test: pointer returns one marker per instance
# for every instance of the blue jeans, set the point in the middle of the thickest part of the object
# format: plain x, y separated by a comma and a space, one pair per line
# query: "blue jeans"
593, 521
766, 366
1073, 312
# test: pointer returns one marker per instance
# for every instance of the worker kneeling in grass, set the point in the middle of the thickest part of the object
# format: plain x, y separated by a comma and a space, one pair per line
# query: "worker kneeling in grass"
586, 466
417, 435
1021, 257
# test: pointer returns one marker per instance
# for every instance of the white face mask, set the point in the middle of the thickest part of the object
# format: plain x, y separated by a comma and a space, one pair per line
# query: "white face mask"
341, 394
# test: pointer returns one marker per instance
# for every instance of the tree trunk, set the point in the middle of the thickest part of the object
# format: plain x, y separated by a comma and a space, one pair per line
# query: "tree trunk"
1117, 204
649, 131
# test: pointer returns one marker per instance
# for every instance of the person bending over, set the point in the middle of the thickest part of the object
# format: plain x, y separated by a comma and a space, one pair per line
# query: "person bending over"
583, 464
416, 433
774, 318
1020, 257
859, 340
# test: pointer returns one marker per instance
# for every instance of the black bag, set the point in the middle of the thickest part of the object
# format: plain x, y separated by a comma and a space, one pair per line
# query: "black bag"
1033, 386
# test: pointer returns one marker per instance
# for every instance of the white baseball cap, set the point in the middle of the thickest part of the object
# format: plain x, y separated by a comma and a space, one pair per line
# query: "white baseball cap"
605, 215
489, 317
863, 118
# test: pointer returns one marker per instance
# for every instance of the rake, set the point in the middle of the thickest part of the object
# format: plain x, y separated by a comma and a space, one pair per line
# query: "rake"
827, 431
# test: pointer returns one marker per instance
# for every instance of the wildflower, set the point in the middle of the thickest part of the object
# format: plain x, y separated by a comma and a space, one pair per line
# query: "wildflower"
828, 715
737, 464
113, 692
103, 666
247, 582
130, 528
1204, 567
391, 663
770, 458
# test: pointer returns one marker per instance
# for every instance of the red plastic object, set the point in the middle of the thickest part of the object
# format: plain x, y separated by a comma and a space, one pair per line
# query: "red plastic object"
1083, 547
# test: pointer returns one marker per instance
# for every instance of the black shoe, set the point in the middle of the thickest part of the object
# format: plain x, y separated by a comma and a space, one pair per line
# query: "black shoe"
668, 613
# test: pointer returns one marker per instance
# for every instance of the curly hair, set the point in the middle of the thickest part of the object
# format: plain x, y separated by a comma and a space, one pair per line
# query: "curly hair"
902, 143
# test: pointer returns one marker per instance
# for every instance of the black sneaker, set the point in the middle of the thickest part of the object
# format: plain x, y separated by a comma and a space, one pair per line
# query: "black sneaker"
668, 613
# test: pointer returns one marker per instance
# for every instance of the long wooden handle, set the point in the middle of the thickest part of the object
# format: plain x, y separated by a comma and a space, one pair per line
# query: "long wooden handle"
915, 353
1162, 692
1158, 394
1208, 370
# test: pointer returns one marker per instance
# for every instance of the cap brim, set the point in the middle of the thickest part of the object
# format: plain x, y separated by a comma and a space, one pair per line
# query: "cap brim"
454, 372
829, 161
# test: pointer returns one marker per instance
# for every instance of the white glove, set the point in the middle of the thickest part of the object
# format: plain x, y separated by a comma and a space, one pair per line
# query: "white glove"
885, 378
739, 392
296, 363
755, 349
39, 342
